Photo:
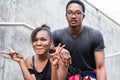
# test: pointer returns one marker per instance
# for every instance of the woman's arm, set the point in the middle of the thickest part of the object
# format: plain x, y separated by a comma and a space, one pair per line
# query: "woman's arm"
25, 72
54, 58
54, 75
59, 69
19, 58
62, 70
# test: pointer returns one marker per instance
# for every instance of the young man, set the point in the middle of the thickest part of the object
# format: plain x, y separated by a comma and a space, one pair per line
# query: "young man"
85, 44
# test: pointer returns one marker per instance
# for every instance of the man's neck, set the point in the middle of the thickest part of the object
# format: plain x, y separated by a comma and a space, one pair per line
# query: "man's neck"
75, 31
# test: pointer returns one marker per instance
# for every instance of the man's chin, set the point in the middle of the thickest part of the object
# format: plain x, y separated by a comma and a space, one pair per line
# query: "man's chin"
73, 26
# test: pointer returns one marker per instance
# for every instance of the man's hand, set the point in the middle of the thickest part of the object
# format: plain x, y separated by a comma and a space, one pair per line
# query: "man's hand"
65, 56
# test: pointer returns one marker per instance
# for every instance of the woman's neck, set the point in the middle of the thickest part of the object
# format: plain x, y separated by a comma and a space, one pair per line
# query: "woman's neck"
43, 57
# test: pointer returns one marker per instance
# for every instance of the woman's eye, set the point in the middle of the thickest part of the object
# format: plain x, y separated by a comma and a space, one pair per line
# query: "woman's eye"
43, 39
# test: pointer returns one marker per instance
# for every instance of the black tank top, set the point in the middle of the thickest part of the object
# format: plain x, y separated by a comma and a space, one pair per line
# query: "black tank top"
44, 75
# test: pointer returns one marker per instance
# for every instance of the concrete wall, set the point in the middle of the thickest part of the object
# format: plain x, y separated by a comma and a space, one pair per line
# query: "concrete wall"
51, 12
17, 37
34, 12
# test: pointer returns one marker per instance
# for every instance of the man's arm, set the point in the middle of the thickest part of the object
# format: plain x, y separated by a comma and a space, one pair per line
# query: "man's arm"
100, 65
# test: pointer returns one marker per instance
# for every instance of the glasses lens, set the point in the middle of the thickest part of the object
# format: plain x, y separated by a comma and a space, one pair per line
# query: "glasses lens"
77, 13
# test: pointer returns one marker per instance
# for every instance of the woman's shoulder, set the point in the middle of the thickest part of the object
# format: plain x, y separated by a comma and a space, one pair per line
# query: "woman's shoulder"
29, 61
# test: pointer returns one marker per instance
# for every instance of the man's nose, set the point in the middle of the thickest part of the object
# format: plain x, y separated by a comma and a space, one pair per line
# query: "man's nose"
73, 16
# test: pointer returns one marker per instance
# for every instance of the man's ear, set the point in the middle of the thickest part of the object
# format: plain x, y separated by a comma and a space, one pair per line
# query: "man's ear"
66, 17
83, 16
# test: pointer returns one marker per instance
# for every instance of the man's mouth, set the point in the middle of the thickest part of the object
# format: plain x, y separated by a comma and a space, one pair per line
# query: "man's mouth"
73, 21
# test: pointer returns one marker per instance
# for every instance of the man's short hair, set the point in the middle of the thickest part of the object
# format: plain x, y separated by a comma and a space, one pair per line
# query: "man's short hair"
78, 2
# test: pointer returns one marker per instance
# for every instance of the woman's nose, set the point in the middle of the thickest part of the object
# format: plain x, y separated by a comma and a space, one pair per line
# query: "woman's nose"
39, 42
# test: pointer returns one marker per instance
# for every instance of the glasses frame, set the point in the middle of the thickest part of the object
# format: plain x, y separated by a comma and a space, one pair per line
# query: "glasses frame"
77, 13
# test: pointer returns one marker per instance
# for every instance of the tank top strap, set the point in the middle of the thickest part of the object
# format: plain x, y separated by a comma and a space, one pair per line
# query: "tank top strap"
33, 62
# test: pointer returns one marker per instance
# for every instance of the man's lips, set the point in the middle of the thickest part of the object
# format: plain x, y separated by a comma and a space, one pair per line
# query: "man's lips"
73, 21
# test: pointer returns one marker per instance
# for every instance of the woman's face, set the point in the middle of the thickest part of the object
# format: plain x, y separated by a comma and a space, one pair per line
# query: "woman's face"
42, 42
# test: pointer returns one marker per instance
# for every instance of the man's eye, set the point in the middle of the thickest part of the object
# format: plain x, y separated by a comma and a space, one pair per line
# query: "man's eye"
69, 12
78, 13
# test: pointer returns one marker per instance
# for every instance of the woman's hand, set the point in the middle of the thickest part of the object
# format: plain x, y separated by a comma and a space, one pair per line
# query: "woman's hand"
54, 58
15, 55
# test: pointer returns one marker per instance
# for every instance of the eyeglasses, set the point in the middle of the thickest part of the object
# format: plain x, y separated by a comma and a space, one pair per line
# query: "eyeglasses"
75, 13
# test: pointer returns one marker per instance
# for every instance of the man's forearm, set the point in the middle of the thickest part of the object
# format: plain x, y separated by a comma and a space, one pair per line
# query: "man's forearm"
101, 74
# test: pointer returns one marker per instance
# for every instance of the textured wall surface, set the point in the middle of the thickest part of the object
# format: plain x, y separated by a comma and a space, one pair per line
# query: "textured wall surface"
51, 12
18, 38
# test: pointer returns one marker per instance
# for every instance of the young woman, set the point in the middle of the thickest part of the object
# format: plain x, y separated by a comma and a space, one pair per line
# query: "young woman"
43, 65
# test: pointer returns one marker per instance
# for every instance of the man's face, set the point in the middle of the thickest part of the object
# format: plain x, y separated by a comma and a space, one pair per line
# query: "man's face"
74, 15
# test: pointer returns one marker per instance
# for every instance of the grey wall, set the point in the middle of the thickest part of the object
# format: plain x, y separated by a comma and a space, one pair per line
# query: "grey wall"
51, 12
17, 37
34, 12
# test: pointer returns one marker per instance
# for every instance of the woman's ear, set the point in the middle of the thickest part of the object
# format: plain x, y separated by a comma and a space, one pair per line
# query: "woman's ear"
52, 48
65, 14
51, 44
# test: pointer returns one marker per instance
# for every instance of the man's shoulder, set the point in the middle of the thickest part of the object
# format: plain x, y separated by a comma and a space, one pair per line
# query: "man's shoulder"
58, 35
60, 31
92, 30
89, 28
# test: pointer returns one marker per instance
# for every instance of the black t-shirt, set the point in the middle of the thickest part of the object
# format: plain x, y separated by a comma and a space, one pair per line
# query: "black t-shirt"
82, 47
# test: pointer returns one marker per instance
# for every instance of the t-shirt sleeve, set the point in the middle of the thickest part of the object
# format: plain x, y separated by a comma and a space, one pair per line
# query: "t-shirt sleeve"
55, 38
98, 41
